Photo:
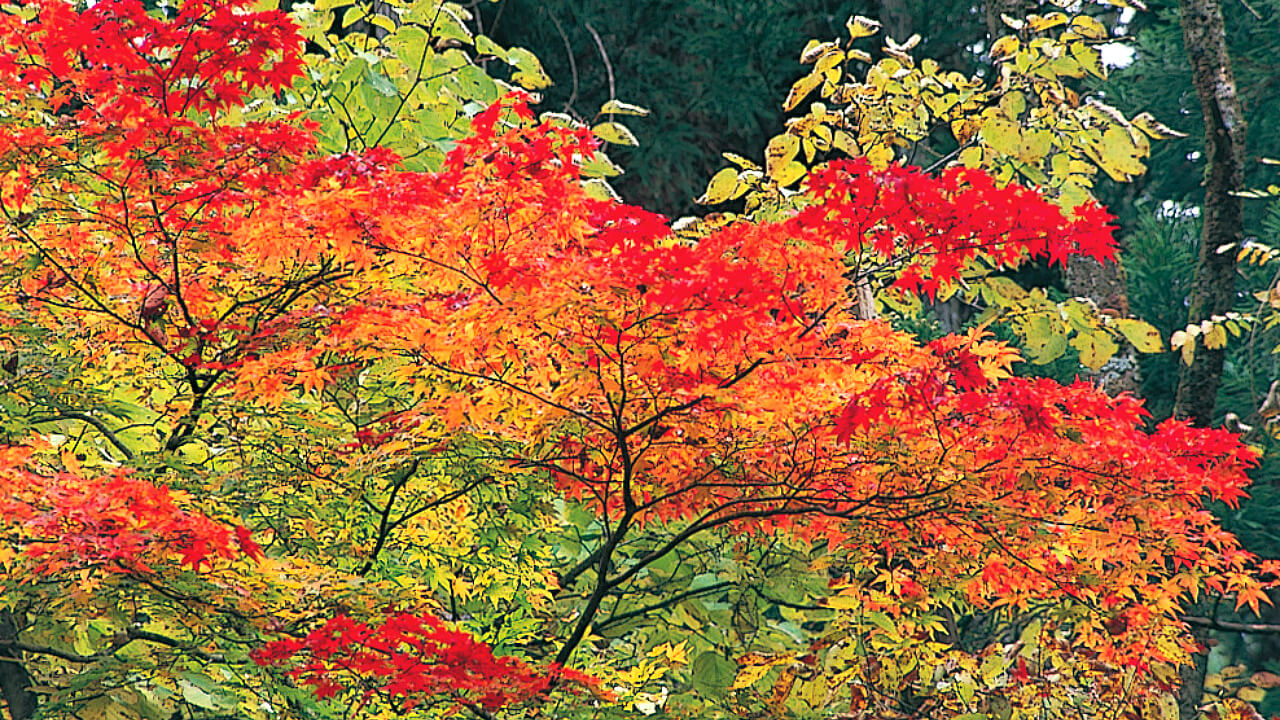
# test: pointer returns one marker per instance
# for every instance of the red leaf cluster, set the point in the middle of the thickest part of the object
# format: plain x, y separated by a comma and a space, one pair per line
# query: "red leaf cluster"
117, 523
411, 660
926, 227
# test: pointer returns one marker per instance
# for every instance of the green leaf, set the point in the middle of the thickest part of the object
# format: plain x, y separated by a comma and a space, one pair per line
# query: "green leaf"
384, 22
599, 189
617, 107
720, 188
600, 166
486, 46
380, 83
712, 673
992, 667
352, 15
447, 24
410, 44
883, 621
197, 696
529, 73
615, 133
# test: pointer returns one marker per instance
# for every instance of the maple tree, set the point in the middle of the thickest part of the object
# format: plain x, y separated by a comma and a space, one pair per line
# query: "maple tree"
295, 433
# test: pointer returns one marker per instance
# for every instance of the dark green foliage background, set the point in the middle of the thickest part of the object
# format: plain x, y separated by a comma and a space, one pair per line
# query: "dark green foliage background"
714, 72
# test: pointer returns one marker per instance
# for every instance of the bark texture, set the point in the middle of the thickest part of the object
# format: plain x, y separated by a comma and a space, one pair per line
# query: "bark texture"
1106, 286
15, 682
1213, 291
897, 19
1191, 679
995, 8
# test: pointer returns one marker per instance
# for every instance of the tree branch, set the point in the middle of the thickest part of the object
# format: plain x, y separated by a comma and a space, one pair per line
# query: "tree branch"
1228, 626
97, 424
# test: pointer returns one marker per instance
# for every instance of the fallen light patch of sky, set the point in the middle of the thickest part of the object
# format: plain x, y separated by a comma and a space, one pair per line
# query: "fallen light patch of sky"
1117, 54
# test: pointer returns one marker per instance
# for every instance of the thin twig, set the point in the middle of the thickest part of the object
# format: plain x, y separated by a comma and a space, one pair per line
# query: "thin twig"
573, 63
1212, 624
608, 66
1257, 15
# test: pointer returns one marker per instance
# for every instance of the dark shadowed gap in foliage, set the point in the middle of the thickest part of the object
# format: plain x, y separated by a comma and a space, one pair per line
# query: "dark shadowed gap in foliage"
15, 683
714, 72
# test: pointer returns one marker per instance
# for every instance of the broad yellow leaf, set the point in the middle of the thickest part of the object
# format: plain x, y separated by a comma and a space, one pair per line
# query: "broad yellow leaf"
781, 150
1088, 27
1035, 146
1095, 349
617, 107
801, 89
1251, 694
815, 50
788, 174
615, 133
1005, 47
1002, 135
845, 143
720, 188
1040, 23
860, 27
749, 676
1143, 336
1090, 59
1154, 128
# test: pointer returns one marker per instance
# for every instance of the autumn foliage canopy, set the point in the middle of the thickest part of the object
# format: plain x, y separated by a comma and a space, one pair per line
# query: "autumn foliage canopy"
329, 356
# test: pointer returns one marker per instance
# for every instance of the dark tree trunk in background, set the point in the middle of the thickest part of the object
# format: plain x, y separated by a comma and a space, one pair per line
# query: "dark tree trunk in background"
895, 15
1213, 291
15, 683
1191, 679
1105, 285
995, 8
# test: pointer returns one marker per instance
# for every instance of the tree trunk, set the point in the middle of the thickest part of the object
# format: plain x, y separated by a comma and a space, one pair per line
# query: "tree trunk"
1106, 286
15, 682
994, 9
1191, 678
896, 17
1213, 291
